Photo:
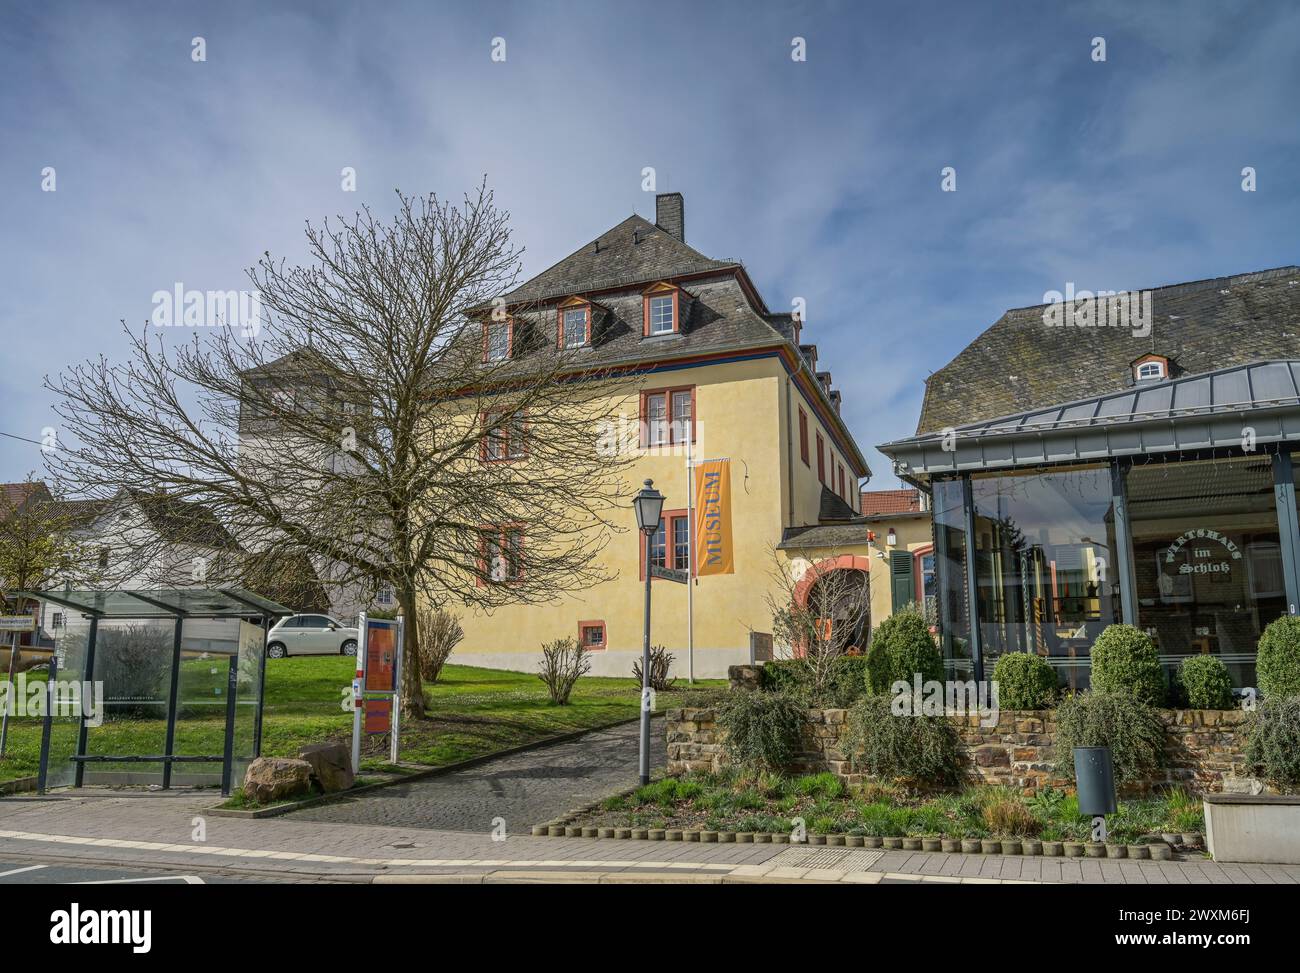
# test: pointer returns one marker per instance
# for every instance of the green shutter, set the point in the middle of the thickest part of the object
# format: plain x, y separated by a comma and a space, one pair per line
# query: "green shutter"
901, 579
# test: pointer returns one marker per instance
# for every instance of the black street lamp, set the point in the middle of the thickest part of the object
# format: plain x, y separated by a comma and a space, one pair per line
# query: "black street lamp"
649, 506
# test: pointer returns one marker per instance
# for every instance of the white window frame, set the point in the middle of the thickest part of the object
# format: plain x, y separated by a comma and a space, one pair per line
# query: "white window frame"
668, 300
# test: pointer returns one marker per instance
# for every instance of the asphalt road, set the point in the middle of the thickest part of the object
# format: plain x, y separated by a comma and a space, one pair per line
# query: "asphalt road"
33, 872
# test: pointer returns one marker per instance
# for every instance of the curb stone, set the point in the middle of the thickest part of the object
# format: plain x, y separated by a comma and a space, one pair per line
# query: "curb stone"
1154, 850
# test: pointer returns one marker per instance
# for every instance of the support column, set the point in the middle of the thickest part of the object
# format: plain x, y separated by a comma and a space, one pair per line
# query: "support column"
972, 583
171, 704
1123, 552
88, 670
1288, 527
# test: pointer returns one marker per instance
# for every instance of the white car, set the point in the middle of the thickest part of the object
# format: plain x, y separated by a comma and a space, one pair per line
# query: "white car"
310, 635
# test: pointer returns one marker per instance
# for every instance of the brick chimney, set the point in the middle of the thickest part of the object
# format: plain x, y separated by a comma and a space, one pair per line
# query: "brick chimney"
670, 214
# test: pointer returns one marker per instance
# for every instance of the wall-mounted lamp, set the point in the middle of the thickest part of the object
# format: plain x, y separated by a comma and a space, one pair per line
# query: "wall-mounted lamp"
891, 538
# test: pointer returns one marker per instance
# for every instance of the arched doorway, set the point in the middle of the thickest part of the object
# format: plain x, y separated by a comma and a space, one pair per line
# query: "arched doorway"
838, 592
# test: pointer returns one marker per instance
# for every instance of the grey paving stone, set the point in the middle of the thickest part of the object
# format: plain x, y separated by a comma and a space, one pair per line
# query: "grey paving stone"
524, 789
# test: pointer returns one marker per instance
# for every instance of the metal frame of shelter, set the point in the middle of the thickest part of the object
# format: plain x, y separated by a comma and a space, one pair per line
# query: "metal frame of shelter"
152, 605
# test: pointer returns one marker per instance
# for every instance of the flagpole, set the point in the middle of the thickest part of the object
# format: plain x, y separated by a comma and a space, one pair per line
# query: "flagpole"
690, 561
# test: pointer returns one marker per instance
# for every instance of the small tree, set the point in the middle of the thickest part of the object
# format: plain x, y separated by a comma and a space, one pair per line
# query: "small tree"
440, 633
817, 617
564, 662
351, 425
661, 664
38, 547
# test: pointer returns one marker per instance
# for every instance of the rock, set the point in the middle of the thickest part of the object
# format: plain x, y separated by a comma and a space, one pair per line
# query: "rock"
275, 778
331, 765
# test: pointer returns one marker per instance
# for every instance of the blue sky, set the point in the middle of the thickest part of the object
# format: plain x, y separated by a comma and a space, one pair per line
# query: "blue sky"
822, 175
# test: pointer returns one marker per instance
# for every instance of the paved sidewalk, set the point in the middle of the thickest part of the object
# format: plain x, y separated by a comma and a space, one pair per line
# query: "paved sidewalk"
520, 789
159, 832
441, 829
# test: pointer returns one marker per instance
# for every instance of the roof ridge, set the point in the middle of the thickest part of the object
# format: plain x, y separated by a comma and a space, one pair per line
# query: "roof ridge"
1192, 286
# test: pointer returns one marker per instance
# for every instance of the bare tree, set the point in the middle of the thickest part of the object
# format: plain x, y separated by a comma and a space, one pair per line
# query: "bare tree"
818, 615
361, 427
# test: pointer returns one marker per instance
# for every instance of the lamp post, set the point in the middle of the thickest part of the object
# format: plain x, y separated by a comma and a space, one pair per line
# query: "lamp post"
649, 506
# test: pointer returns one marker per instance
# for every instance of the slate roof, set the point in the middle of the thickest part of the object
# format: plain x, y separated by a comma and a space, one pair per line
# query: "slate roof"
182, 521
1020, 364
633, 252
825, 536
1189, 413
833, 508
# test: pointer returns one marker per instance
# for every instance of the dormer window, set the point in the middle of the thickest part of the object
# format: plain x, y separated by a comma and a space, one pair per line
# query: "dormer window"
1150, 367
661, 315
498, 338
574, 323
662, 308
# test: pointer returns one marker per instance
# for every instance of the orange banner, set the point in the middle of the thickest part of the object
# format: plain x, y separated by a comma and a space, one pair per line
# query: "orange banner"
713, 540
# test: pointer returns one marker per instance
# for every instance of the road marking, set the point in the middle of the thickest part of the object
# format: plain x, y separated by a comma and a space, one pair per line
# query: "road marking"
343, 859
19, 871
188, 879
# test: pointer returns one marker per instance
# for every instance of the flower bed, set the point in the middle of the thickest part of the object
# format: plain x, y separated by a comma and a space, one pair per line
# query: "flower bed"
763, 803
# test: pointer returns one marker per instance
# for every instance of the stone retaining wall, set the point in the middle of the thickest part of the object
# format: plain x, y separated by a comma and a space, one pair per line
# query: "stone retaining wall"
1203, 748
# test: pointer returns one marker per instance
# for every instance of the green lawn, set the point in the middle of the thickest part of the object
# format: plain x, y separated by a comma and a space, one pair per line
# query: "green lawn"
472, 711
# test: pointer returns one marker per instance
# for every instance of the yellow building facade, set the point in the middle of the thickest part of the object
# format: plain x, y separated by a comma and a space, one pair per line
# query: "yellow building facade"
712, 374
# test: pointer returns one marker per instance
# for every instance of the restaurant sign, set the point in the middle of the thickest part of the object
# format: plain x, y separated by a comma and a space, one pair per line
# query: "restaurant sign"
1204, 559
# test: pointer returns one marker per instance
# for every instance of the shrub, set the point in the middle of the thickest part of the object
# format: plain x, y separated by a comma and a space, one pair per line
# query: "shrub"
1121, 721
1203, 683
1124, 660
661, 663
1025, 681
785, 676
439, 633
1273, 751
1278, 661
914, 748
134, 662
846, 682
1009, 816
564, 661
902, 647
763, 729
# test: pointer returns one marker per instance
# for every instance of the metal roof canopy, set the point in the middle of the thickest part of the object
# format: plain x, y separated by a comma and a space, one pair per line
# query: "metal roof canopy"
1205, 411
164, 603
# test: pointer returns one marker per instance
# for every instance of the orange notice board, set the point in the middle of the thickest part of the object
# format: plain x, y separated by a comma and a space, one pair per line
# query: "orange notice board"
713, 540
381, 657
379, 715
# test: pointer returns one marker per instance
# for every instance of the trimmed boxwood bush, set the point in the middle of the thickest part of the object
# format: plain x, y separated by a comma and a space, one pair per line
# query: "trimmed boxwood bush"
1203, 683
1273, 751
1121, 721
1278, 661
1025, 681
763, 729
1124, 660
923, 749
900, 648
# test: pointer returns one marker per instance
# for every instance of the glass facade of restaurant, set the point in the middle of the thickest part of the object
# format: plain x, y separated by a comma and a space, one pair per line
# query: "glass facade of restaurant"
1199, 552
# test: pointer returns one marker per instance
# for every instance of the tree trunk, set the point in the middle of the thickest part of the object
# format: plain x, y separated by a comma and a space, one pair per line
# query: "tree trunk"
412, 688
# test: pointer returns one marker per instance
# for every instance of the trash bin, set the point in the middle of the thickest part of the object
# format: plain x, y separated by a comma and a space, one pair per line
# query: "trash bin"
1095, 775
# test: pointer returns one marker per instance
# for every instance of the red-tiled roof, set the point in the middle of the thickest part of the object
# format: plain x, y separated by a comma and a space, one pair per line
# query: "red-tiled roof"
890, 502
